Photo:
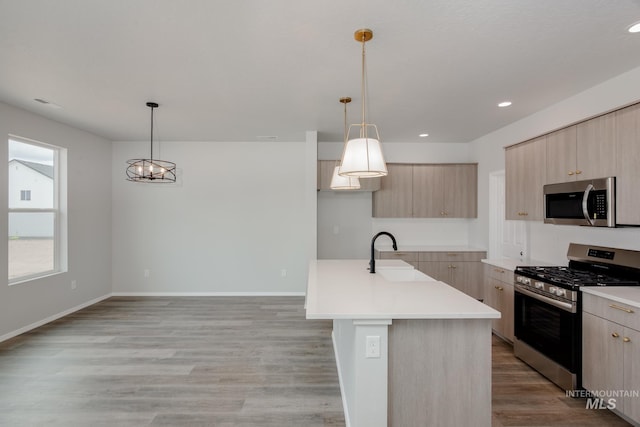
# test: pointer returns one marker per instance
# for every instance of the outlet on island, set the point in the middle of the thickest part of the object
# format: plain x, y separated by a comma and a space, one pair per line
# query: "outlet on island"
373, 347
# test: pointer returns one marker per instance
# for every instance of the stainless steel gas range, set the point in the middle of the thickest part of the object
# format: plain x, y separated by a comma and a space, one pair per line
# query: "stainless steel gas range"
548, 307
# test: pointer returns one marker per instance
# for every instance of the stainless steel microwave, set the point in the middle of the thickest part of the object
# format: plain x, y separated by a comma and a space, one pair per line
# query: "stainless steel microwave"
591, 202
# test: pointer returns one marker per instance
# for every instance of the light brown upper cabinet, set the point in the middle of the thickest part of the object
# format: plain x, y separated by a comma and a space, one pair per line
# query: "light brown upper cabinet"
325, 173
395, 197
428, 191
582, 151
627, 170
525, 175
445, 191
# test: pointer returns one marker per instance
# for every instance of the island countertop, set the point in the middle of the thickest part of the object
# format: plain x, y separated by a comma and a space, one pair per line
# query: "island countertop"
344, 289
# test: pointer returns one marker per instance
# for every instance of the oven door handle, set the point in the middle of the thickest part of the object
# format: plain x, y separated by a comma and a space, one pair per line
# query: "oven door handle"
560, 304
585, 204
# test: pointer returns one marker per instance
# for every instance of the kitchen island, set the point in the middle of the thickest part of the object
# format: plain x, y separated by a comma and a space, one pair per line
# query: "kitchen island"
410, 350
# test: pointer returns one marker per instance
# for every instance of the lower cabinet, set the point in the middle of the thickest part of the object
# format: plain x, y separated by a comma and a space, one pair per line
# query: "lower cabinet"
408, 257
462, 270
498, 294
611, 352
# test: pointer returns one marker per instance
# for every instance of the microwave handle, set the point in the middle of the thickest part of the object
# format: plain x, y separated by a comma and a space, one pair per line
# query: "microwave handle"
585, 199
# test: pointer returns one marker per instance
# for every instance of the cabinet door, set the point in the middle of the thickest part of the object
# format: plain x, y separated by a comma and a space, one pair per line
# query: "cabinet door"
596, 147
395, 197
434, 269
601, 354
627, 170
428, 191
467, 277
525, 174
631, 381
460, 191
493, 292
507, 310
325, 172
561, 155
513, 159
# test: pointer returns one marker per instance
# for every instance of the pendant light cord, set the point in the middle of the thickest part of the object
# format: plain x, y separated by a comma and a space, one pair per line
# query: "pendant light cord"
152, 133
363, 129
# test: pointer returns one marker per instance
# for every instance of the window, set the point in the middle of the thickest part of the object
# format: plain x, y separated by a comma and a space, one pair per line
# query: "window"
37, 232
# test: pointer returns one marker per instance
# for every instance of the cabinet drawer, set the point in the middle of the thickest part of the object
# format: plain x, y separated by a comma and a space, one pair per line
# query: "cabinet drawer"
500, 274
405, 256
452, 256
614, 311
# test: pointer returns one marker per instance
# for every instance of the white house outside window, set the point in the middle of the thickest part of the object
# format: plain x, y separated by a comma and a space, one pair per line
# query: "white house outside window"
36, 229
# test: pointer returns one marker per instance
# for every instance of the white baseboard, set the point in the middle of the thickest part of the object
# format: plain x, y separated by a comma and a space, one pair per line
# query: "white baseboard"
52, 318
208, 294
345, 407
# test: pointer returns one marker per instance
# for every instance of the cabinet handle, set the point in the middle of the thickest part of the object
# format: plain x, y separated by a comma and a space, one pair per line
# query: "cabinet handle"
578, 172
626, 339
497, 270
453, 266
452, 254
500, 288
570, 173
441, 213
617, 307
615, 335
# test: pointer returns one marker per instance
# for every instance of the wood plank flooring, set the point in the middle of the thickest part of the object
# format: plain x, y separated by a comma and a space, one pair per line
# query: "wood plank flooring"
170, 361
523, 397
228, 361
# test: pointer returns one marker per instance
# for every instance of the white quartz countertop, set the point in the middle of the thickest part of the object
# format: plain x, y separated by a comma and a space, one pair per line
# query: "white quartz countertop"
511, 263
429, 248
344, 289
629, 295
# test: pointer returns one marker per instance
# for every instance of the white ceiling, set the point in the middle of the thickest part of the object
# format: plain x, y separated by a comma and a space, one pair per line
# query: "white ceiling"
235, 70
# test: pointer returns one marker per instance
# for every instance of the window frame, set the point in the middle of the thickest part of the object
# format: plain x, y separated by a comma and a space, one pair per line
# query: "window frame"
57, 210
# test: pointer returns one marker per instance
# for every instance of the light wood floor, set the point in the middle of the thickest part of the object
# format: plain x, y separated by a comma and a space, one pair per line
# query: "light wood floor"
229, 361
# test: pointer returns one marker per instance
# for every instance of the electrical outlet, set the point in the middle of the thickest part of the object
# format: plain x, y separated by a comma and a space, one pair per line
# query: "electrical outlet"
147, 273
283, 272
74, 284
373, 347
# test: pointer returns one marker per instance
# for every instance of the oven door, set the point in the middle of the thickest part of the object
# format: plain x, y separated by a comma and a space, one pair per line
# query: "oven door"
550, 329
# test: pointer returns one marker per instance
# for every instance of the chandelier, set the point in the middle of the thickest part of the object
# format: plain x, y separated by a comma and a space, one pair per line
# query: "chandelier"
151, 170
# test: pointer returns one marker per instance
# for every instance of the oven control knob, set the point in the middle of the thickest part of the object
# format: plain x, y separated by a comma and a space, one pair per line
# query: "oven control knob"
561, 292
553, 289
539, 285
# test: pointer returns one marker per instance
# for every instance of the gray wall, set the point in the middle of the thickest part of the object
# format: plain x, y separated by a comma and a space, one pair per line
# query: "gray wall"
89, 224
237, 220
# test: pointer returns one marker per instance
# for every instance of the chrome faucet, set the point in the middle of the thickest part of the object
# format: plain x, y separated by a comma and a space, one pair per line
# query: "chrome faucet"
372, 261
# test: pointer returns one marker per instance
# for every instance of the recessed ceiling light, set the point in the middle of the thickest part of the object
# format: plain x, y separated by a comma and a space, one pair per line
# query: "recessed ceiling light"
634, 28
423, 135
504, 104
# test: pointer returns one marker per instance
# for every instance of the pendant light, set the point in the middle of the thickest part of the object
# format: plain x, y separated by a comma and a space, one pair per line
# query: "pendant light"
151, 170
362, 156
339, 182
